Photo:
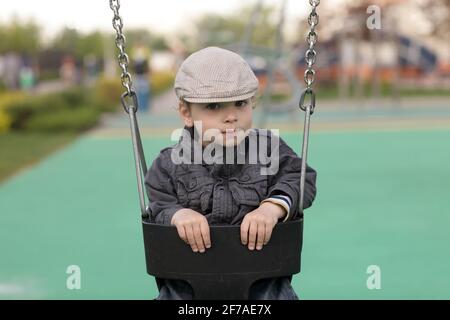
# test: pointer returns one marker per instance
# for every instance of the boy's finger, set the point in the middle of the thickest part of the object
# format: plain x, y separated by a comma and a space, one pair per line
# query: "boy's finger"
268, 234
252, 235
182, 233
191, 239
260, 236
198, 238
204, 228
244, 231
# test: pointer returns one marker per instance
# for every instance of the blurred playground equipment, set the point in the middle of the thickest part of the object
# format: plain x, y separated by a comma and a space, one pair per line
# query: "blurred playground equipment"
353, 57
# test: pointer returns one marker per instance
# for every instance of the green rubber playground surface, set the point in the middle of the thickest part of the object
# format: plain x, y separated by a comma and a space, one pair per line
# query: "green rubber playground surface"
383, 199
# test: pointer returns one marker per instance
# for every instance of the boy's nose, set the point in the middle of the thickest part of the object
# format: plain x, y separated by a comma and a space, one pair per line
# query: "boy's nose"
231, 115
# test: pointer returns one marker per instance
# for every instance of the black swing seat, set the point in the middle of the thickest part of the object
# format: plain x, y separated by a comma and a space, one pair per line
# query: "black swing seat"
227, 270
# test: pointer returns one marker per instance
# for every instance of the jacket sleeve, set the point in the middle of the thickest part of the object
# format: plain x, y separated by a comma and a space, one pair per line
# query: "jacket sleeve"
161, 191
286, 181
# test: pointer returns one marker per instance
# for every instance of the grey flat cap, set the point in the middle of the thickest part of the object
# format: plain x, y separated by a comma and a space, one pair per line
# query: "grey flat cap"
215, 75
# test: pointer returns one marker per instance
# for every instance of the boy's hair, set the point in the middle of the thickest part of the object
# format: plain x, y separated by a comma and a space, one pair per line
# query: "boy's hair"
215, 75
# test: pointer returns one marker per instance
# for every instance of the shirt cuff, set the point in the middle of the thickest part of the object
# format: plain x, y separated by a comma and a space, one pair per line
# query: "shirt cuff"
283, 201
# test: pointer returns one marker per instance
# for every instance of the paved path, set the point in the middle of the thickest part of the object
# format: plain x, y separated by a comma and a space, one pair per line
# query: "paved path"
407, 114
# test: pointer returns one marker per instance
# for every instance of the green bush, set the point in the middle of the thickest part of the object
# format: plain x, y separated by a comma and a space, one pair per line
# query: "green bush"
2, 87
5, 122
75, 97
10, 97
74, 120
6, 99
24, 110
71, 110
19, 112
107, 94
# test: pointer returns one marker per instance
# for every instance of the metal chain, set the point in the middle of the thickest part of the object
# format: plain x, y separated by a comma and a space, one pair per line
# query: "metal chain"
311, 38
123, 58
310, 56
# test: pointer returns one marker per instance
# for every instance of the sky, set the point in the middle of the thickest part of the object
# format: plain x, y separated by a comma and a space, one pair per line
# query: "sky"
161, 16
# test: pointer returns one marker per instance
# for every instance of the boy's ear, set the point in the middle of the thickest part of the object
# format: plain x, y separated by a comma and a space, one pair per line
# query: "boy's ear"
185, 114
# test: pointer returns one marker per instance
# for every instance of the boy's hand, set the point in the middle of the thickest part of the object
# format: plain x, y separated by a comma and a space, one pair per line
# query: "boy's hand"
257, 226
193, 228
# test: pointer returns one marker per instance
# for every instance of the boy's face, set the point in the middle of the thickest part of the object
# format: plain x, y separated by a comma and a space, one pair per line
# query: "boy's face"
225, 122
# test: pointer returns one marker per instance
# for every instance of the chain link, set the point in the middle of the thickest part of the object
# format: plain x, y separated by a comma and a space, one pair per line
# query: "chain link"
120, 44
311, 38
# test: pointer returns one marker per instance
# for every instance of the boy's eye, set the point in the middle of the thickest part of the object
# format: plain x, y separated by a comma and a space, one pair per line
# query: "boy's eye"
213, 106
242, 103
216, 106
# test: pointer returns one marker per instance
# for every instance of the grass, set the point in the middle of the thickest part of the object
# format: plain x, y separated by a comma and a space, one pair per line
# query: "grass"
20, 150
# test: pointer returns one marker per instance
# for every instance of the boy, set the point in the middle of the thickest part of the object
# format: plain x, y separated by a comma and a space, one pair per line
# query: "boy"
216, 90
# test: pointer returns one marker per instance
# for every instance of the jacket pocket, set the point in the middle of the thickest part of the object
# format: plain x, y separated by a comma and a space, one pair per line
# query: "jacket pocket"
195, 192
250, 188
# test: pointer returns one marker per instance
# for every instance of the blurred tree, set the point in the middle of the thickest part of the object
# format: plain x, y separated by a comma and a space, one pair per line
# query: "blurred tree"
229, 29
91, 44
147, 38
67, 40
21, 37
80, 45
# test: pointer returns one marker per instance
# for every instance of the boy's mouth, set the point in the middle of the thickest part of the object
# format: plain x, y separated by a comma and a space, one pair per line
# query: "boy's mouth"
230, 132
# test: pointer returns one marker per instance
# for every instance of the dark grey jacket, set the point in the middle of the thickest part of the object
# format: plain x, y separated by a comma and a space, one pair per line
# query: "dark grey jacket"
224, 193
